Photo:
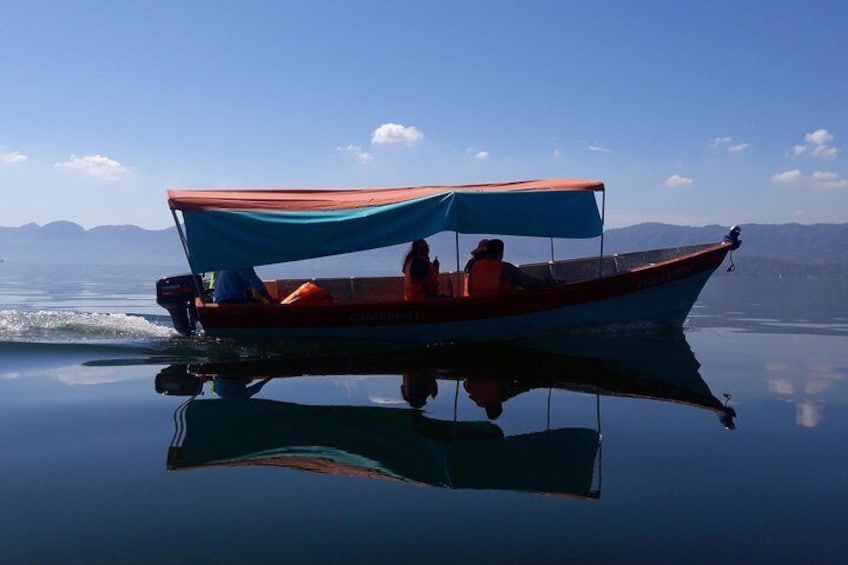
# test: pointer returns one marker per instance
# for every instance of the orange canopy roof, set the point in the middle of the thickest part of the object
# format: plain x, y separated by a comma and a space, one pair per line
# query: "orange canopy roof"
313, 200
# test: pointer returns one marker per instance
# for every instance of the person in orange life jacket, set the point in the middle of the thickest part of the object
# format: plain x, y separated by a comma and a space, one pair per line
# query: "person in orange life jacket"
491, 393
491, 275
420, 275
476, 254
417, 386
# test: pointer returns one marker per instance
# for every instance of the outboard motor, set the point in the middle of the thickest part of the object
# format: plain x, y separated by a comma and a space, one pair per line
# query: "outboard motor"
176, 295
176, 380
733, 237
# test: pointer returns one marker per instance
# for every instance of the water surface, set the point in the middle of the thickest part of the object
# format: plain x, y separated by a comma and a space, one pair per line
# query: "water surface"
609, 448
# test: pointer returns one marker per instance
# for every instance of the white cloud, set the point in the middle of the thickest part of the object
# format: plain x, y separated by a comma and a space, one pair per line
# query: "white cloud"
13, 157
824, 176
386, 401
821, 180
600, 149
94, 165
827, 180
816, 144
395, 133
819, 137
738, 147
357, 153
557, 154
718, 142
787, 176
726, 144
677, 181
481, 155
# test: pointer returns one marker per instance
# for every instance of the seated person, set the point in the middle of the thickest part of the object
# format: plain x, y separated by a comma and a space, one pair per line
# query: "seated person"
230, 388
417, 386
491, 275
420, 275
240, 286
476, 254
491, 393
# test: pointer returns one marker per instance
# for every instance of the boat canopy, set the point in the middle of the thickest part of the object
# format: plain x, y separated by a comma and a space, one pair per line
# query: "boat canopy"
389, 443
228, 229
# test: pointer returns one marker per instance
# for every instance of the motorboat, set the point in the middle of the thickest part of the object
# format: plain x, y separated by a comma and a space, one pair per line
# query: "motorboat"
229, 229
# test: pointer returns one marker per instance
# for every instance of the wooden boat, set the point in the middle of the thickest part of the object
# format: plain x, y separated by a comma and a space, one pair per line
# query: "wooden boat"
233, 229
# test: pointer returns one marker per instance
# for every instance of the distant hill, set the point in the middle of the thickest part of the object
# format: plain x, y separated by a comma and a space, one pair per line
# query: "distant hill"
784, 249
66, 243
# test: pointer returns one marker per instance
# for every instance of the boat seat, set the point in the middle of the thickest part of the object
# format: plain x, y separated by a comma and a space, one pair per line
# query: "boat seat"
377, 289
357, 289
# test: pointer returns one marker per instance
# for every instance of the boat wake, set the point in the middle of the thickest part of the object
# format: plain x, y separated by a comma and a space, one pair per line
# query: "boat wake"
65, 326
109, 339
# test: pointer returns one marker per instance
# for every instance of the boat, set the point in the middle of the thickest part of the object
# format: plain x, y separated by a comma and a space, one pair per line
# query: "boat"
411, 445
226, 229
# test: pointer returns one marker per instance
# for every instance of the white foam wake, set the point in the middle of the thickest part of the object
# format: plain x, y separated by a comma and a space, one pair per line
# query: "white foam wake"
66, 325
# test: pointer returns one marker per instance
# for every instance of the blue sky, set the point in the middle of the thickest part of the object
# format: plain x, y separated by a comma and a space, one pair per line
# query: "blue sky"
692, 112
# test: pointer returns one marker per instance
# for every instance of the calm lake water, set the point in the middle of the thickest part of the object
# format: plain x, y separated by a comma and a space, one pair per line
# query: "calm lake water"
724, 442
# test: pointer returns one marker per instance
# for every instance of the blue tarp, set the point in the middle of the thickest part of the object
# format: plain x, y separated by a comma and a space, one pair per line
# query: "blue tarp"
226, 238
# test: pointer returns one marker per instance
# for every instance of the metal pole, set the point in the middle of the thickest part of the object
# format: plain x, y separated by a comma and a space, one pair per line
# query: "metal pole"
457, 291
603, 221
184, 241
600, 442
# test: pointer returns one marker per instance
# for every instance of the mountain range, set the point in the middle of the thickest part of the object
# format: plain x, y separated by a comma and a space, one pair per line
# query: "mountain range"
769, 249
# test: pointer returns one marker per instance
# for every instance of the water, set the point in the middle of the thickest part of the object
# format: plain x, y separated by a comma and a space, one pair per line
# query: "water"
615, 447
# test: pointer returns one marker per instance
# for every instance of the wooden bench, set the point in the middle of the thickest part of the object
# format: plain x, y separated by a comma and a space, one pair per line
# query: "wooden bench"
356, 289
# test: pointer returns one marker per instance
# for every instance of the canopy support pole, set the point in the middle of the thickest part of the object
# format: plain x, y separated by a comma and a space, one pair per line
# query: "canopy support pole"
455, 409
457, 291
603, 222
553, 260
184, 241
600, 441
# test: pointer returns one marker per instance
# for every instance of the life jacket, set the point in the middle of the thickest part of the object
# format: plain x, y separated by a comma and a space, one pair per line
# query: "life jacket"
309, 293
415, 289
484, 392
466, 276
485, 279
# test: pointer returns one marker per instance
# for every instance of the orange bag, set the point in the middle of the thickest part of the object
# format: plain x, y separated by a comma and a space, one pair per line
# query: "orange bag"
309, 293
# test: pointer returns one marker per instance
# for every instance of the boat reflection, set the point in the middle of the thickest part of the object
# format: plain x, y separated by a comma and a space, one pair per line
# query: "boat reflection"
406, 444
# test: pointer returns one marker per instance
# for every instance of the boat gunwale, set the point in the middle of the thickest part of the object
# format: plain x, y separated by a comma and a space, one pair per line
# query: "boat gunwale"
461, 308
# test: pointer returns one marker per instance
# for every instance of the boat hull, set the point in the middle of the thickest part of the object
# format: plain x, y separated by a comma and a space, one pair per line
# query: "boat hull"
656, 294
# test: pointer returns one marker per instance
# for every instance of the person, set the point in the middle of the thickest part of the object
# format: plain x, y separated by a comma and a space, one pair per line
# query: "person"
417, 386
491, 275
240, 286
491, 393
476, 254
420, 275
230, 388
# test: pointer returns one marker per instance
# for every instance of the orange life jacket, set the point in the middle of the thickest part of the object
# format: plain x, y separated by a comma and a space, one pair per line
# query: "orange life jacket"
309, 293
415, 289
486, 280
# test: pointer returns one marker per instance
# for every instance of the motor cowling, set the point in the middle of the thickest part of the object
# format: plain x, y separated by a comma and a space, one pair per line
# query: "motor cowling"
732, 237
176, 295
177, 380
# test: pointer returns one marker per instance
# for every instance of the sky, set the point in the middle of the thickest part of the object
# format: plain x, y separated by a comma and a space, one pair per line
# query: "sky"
692, 113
